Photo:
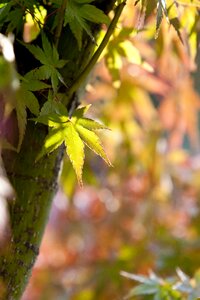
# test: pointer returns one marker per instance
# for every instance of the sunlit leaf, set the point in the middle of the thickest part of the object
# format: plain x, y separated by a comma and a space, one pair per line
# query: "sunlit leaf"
52, 120
53, 140
75, 150
90, 124
92, 141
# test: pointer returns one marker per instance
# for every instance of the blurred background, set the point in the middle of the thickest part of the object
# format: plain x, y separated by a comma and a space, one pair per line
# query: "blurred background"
144, 212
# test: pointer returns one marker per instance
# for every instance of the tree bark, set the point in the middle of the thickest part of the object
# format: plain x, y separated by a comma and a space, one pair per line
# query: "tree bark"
36, 183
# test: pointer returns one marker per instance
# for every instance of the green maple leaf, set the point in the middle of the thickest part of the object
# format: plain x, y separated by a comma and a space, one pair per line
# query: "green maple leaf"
53, 106
74, 132
78, 15
49, 58
25, 98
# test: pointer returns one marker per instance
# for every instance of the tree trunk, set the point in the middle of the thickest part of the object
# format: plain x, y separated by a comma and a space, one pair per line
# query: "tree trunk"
36, 183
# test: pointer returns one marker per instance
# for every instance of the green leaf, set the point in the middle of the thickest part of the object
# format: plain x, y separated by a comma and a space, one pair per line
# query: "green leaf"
61, 78
90, 124
92, 141
61, 63
54, 80
75, 150
48, 56
15, 19
34, 85
30, 101
77, 31
52, 106
38, 53
41, 73
52, 141
74, 132
79, 13
52, 120
4, 12
55, 55
48, 49
26, 99
93, 14
79, 112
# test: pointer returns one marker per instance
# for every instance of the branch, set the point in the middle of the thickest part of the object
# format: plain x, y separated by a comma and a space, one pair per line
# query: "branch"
83, 75
61, 16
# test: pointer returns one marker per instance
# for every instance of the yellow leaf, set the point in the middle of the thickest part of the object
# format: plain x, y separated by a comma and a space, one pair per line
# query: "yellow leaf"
75, 150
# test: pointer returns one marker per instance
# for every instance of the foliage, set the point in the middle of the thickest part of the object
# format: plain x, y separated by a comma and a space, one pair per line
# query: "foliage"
182, 287
49, 58
73, 131
76, 15
35, 80
79, 13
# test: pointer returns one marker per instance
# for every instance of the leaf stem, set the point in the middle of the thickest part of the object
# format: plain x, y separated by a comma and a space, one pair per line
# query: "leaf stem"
61, 16
83, 75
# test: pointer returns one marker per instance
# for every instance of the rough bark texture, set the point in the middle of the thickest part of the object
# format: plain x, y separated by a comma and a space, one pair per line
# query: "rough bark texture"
36, 183
35, 186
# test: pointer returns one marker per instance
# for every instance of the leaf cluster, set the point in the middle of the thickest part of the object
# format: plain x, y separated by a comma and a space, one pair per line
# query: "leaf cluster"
74, 132
181, 287
78, 15
49, 58
168, 9
12, 14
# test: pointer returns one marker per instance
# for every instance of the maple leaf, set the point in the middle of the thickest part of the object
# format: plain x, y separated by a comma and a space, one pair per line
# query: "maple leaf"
25, 98
49, 58
78, 15
74, 132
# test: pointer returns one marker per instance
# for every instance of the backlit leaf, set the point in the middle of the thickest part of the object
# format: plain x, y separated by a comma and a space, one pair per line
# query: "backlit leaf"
52, 120
75, 150
79, 112
74, 132
92, 141
53, 140
90, 124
